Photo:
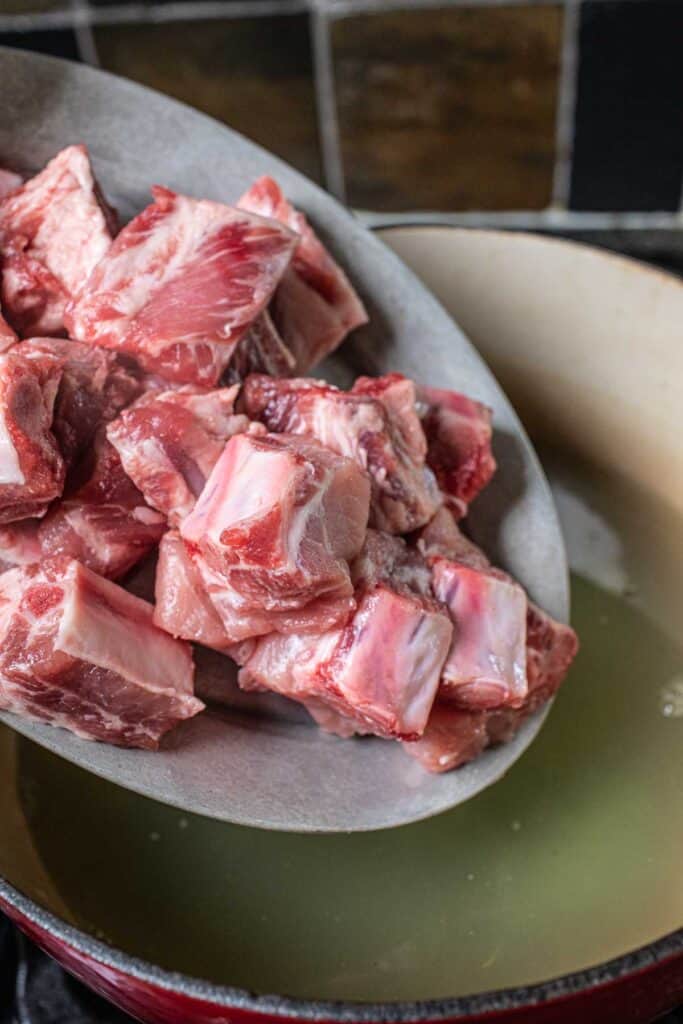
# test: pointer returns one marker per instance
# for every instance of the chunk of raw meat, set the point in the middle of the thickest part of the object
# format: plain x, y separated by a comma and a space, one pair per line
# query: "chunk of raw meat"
31, 467
79, 652
262, 350
315, 306
169, 441
7, 335
380, 430
180, 286
273, 531
53, 231
9, 181
459, 434
454, 736
19, 544
486, 666
442, 536
104, 521
183, 607
95, 386
380, 672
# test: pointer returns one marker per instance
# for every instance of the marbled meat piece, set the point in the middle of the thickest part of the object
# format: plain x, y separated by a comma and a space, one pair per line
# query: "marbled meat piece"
103, 521
79, 652
31, 466
95, 386
315, 306
486, 665
455, 736
182, 283
54, 229
170, 440
459, 435
443, 537
273, 532
380, 672
261, 350
19, 544
183, 607
7, 336
9, 182
376, 424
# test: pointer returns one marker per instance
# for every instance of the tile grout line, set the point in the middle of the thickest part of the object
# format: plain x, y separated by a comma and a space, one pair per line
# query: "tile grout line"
342, 8
196, 10
84, 34
326, 103
137, 13
566, 104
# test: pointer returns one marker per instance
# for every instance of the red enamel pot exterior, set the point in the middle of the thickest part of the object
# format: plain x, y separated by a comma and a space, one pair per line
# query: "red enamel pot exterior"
631, 990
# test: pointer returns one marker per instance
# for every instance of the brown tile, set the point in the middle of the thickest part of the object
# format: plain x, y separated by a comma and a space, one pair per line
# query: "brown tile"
448, 109
254, 74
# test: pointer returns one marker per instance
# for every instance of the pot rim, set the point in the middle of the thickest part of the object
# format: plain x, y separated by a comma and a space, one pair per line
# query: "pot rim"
564, 986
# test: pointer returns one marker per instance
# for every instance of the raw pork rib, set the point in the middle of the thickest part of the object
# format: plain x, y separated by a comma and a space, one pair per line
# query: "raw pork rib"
53, 230
93, 390
443, 536
315, 306
79, 652
31, 467
375, 424
169, 442
19, 544
273, 531
180, 286
262, 350
104, 522
7, 335
380, 672
454, 736
9, 181
459, 434
183, 607
486, 666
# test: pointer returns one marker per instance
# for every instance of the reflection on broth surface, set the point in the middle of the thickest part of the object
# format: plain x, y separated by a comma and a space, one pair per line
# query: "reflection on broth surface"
571, 859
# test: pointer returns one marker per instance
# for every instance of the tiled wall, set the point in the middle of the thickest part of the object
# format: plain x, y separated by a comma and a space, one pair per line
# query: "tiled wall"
564, 116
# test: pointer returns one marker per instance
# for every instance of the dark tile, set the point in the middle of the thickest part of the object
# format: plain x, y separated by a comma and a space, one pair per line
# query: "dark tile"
628, 151
254, 74
56, 42
449, 109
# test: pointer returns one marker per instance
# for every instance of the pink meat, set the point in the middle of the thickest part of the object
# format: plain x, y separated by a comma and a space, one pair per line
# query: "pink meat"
19, 544
486, 666
31, 467
9, 182
169, 441
81, 653
273, 531
53, 231
262, 350
459, 434
376, 424
454, 736
183, 608
95, 386
315, 306
7, 335
103, 521
180, 286
442, 536
380, 672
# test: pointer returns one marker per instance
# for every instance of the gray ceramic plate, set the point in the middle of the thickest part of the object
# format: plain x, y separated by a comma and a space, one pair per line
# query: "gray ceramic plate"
246, 767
